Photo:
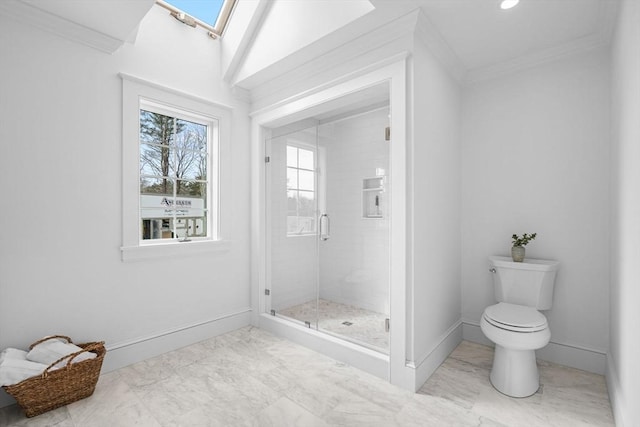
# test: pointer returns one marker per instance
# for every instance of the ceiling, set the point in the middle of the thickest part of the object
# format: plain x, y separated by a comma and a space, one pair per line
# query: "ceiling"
482, 36
484, 40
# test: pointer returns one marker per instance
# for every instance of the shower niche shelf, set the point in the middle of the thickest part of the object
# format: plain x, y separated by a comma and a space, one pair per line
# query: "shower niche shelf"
372, 191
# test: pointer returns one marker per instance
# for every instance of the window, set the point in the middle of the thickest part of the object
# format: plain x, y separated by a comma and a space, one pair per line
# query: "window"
212, 15
175, 156
174, 145
301, 193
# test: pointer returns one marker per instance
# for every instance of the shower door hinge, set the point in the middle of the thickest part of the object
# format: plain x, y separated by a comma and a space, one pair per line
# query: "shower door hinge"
267, 292
267, 159
386, 324
273, 312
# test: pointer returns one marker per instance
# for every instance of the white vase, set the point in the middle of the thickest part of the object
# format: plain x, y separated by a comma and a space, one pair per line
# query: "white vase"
517, 253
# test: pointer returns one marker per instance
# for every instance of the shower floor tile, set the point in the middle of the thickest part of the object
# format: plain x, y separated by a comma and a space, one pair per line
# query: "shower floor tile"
356, 324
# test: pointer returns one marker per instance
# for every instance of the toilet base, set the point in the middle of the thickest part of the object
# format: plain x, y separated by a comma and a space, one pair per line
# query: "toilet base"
515, 372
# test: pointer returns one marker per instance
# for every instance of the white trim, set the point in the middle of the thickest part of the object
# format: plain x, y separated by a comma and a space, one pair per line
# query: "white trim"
173, 249
535, 59
62, 27
174, 91
616, 397
567, 354
127, 352
433, 40
134, 90
135, 350
437, 354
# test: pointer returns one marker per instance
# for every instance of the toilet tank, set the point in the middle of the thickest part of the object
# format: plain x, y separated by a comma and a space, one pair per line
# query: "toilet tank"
527, 283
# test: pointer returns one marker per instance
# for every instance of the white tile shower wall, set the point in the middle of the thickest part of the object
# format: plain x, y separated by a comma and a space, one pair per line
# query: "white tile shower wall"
354, 262
293, 258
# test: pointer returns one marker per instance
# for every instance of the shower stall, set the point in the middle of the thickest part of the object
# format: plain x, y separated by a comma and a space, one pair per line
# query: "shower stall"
327, 220
330, 221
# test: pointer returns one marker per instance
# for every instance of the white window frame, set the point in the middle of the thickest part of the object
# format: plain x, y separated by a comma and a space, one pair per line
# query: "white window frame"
135, 94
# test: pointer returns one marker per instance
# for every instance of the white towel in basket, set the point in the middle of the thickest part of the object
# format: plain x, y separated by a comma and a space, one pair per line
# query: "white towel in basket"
49, 351
14, 367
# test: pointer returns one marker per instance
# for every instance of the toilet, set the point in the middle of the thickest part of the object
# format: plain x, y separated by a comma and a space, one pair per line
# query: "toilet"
515, 325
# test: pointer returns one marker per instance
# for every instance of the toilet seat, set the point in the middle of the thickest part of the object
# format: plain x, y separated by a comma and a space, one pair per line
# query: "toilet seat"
516, 318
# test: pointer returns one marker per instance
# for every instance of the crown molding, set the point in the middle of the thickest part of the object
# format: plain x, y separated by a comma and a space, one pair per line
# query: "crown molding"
535, 59
600, 38
433, 40
39, 18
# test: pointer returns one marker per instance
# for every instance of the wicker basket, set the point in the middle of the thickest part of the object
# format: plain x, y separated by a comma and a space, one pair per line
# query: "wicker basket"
56, 388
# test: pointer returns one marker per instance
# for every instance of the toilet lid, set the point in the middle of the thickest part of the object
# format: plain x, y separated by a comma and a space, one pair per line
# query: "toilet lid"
515, 317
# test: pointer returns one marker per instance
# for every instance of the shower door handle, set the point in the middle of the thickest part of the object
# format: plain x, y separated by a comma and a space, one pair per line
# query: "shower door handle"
325, 235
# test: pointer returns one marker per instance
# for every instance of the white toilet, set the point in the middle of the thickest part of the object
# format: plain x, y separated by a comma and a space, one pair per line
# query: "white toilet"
515, 325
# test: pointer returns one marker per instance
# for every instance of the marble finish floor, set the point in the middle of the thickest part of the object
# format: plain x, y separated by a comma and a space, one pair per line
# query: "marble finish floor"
367, 327
251, 378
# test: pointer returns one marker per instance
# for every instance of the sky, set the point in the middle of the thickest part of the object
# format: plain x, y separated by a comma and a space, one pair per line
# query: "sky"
204, 10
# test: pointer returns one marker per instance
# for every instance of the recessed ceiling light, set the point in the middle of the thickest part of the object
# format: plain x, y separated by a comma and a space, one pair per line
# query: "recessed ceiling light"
508, 4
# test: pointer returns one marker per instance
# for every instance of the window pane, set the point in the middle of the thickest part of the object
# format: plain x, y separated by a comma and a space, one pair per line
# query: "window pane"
292, 178
188, 164
305, 159
187, 188
156, 128
156, 186
292, 156
192, 226
306, 212
292, 202
305, 180
155, 228
292, 224
192, 136
306, 203
155, 160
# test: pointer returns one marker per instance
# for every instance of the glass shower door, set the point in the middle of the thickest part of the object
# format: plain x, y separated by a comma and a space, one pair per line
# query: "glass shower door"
293, 226
327, 213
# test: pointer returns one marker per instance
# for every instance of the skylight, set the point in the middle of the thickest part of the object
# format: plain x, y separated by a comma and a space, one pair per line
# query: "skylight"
205, 10
209, 14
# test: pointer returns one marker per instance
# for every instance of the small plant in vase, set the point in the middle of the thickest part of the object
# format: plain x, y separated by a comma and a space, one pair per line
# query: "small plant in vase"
518, 244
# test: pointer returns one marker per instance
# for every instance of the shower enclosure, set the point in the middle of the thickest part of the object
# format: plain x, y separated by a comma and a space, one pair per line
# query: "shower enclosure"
327, 220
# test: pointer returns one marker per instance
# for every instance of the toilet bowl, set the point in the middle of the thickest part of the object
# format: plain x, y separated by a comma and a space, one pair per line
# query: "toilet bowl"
515, 325
517, 332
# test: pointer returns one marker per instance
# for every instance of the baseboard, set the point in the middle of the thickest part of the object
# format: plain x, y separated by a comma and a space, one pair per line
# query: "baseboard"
128, 352
438, 354
615, 394
574, 356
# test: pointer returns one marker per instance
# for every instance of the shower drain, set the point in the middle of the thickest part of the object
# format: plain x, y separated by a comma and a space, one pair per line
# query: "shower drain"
347, 323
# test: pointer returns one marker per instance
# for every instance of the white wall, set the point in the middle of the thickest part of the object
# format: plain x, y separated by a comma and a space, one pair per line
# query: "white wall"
434, 209
623, 374
61, 208
535, 152
354, 262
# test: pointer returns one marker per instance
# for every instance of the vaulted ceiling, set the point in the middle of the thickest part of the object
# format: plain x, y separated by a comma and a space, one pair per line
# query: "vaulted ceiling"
483, 39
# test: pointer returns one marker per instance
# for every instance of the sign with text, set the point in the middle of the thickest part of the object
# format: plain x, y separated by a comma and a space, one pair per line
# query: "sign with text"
167, 206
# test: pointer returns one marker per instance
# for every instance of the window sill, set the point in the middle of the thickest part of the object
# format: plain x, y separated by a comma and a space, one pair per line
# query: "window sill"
173, 249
